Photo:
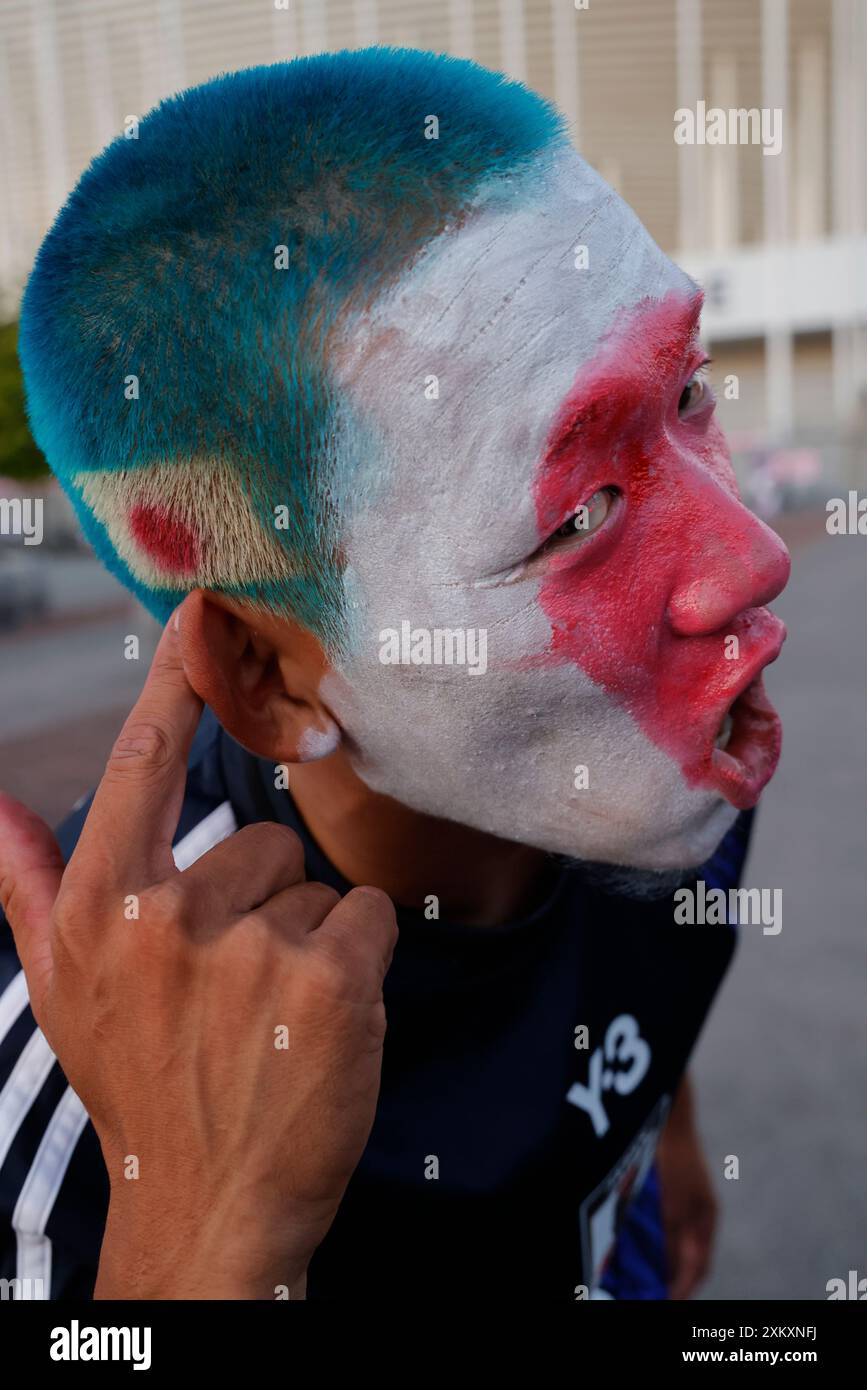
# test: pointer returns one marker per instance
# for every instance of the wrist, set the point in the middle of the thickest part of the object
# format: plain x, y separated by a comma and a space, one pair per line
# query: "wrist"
150, 1254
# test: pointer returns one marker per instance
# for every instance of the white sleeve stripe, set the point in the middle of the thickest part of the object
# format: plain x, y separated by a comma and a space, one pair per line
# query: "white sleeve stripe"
13, 1002
39, 1193
45, 1178
216, 826
34, 1254
26, 1080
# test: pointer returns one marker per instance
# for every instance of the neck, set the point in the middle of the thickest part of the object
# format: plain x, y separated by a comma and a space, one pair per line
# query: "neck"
476, 878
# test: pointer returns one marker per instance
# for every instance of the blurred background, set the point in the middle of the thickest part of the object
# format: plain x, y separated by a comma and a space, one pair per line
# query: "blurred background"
779, 243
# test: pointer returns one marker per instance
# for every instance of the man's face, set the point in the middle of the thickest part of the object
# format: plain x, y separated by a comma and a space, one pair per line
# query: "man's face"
566, 387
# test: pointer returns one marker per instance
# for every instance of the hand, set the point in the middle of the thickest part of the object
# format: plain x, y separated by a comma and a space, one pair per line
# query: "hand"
689, 1207
169, 1025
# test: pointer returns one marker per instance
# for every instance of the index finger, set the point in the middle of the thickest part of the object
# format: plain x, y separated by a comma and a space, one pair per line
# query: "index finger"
135, 812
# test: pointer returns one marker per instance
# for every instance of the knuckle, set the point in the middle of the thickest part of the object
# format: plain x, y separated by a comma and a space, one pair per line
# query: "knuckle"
272, 838
325, 972
141, 749
321, 897
306, 905
74, 906
168, 905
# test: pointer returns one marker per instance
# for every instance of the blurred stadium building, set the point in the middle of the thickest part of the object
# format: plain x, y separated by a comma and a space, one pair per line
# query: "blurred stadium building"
778, 241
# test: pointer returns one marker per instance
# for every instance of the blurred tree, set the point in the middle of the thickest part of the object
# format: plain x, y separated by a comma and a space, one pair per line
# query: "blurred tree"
19, 456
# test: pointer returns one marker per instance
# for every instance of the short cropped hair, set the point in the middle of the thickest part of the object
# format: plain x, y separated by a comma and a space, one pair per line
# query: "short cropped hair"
174, 331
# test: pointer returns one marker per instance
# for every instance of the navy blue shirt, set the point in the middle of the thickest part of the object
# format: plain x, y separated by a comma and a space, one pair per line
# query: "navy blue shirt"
503, 1156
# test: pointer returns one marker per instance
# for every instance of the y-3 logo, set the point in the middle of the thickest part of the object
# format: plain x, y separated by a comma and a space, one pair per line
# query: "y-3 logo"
623, 1044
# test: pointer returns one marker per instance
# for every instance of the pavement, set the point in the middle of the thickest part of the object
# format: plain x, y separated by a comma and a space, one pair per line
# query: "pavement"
781, 1068
67, 684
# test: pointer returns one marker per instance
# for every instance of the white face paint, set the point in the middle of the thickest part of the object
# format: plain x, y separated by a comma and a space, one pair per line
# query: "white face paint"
500, 314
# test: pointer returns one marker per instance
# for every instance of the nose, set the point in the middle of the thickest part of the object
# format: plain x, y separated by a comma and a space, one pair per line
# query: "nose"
739, 564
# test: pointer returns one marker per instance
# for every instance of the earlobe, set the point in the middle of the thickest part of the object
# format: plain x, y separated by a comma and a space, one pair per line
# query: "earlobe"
314, 744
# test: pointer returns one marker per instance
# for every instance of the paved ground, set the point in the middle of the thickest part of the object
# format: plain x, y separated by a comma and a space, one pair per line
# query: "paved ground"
782, 1066
67, 685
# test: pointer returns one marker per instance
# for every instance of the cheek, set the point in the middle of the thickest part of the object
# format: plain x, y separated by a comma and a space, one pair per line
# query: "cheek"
605, 605
610, 620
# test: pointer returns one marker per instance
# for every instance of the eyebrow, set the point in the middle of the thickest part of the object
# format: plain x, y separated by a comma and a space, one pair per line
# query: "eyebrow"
653, 341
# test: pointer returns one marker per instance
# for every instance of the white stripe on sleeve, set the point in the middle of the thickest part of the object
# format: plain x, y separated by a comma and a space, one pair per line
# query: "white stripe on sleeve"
26, 1080
39, 1193
216, 826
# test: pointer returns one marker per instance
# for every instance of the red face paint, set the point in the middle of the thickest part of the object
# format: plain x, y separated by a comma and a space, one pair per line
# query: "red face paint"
645, 604
169, 542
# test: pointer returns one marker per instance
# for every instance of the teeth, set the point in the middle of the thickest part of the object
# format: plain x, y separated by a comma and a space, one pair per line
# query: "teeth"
725, 732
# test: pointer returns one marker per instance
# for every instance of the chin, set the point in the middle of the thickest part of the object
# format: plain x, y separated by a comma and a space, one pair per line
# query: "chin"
656, 869
668, 852
697, 840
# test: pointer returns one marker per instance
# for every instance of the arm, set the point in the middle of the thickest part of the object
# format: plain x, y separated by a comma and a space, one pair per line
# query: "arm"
227, 1154
689, 1207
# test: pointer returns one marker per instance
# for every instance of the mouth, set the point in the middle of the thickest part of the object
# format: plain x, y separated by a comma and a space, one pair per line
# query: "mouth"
746, 739
747, 748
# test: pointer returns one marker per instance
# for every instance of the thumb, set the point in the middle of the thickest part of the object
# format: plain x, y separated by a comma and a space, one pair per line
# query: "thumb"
31, 867
362, 928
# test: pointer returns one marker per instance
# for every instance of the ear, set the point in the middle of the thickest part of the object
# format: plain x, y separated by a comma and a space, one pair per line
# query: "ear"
260, 674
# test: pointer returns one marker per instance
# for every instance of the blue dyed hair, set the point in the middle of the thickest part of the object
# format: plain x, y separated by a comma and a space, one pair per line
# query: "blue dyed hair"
161, 265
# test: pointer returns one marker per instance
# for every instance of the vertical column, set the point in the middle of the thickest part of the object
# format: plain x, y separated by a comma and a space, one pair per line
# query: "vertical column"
105, 122
513, 42
172, 57
847, 194
690, 168
315, 29
564, 37
810, 141
859, 225
843, 139
779, 354
366, 17
284, 31
50, 106
9, 234
723, 162
462, 39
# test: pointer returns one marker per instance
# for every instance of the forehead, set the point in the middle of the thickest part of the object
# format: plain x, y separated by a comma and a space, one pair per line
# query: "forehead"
464, 364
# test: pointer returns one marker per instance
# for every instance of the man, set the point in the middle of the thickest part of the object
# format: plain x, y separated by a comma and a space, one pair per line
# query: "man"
366, 384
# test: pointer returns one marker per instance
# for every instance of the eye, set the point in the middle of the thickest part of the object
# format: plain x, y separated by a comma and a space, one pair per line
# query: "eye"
696, 394
585, 519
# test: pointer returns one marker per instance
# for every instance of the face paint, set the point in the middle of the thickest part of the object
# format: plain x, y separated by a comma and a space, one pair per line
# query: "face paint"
167, 523
679, 531
168, 541
555, 384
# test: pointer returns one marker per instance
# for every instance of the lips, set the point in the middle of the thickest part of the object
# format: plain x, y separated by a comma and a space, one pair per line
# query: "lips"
744, 737
742, 769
